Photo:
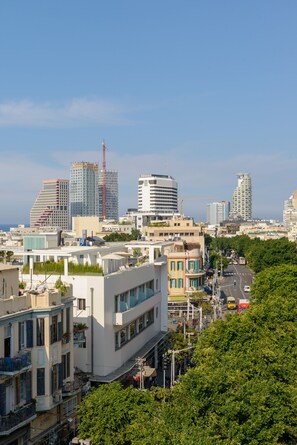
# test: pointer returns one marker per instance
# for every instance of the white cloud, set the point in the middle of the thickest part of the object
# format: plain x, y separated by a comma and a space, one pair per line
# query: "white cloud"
80, 111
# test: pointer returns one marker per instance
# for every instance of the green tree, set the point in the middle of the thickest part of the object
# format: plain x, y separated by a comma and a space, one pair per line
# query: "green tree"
109, 414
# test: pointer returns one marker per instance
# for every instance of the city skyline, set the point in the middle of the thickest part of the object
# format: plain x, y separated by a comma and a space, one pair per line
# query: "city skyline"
197, 91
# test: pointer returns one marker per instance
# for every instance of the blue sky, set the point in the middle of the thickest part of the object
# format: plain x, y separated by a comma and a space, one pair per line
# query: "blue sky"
200, 90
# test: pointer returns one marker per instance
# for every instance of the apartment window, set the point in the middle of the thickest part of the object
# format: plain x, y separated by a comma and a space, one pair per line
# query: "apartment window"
172, 265
132, 329
172, 283
180, 283
141, 325
81, 304
22, 335
40, 332
66, 365
67, 320
180, 265
40, 382
54, 329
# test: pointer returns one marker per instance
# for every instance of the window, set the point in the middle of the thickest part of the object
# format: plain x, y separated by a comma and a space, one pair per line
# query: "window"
180, 283
81, 304
180, 265
66, 365
54, 329
22, 339
141, 323
40, 332
172, 283
172, 265
40, 382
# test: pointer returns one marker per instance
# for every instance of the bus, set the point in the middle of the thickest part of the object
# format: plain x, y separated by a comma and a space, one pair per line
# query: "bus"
243, 305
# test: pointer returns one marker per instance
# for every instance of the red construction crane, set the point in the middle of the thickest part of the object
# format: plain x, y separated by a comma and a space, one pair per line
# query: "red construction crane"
103, 181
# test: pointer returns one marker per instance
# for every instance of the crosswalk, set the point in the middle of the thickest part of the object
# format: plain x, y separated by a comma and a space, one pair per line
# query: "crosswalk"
230, 274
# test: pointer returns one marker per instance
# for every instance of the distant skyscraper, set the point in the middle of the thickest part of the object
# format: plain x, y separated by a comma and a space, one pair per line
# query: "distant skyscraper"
112, 194
157, 193
290, 210
84, 200
51, 207
242, 198
218, 212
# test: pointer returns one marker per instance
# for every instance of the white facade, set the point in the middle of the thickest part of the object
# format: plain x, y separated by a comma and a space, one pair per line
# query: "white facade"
242, 198
51, 208
124, 309
217, 212
84, 200
157, 193
290, 211
112, 194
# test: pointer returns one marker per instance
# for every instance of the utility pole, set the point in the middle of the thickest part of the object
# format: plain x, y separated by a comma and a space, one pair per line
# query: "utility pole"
173, 352
140, 364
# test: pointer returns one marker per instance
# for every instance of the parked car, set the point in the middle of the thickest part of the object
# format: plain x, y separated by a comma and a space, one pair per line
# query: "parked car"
247, 288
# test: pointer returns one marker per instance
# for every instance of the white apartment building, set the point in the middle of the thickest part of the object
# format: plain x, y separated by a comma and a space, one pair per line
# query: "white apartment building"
217, 212
84, 199
111, 194
157, 193
242, 198
51, 208
124, 309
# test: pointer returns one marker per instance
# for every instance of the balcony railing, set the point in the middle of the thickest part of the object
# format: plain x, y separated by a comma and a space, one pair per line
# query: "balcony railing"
10, 365
70, 388
195, 271
16, 419
134, 301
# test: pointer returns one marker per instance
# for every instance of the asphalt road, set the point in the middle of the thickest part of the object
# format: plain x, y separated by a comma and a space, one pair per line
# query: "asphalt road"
234, 279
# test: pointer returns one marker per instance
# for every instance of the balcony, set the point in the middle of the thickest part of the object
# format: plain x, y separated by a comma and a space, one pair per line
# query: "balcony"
13, 365
134, 311
195, 272
70, 388
17, 419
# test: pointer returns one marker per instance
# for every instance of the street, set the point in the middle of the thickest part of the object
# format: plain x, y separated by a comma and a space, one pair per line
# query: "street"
234, 279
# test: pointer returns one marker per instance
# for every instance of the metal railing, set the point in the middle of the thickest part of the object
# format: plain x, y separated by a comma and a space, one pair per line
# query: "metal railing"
16, 363
16, 418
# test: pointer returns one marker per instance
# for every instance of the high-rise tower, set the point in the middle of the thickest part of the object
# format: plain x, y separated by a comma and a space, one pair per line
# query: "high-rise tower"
157, 193
242, 198
217, 212
84, 200
111, 194
51, 207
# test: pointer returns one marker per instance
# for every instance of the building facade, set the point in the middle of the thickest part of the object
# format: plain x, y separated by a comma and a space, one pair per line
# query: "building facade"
124, 308
51, 208
111, 196
217, 212
84, 198
157, 193
37, 390
242, 198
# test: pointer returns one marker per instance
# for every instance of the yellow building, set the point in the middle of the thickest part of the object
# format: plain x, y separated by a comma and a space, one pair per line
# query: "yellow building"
185, 269
177, 228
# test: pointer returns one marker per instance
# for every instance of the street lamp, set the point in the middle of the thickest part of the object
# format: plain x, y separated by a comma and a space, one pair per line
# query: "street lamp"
173, 352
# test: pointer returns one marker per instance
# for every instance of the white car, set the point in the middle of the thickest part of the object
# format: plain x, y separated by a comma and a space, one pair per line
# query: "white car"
247, 288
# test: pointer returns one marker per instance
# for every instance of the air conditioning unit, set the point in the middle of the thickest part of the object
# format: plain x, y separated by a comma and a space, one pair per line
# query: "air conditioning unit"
57, 397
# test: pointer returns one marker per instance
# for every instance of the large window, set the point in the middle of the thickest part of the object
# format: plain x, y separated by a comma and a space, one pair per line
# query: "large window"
40, 382
172, 283
66, 365
172, 265
40, 332
133, 329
